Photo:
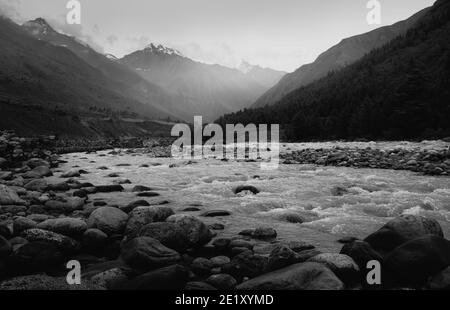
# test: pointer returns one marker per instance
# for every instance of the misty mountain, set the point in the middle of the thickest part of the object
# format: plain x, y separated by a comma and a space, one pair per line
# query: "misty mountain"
198, 88
46, 88
346, 52
137, 88
264, 76
398, 91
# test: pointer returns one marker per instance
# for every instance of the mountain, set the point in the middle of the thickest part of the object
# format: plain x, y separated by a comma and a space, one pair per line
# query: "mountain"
264, 76
198, 88
46, 88
137, 88
346, 52
398, 91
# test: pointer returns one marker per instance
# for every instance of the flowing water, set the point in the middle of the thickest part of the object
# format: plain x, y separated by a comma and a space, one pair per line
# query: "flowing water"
368, 199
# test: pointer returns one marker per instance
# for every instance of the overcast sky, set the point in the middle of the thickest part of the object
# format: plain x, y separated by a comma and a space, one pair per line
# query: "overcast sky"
281, 34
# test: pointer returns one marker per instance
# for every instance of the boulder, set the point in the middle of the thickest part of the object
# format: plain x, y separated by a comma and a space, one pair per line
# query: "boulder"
264, 233
35, 256
197, 233
109, 188
37, 162
94, 239
201, 266
142, 216
65, 244
71, 227
145, 253
172, 277
5, 247
280, 257
413, 262
440, 281
342, 265
69, 205
246, 188
42, 171
361, 252
38, 185
141, 188
303, 276
108, 219
9, 196
215, 213
133, 205
222, 281
169, 234
21, 224
199, 286
401, 230
246, 264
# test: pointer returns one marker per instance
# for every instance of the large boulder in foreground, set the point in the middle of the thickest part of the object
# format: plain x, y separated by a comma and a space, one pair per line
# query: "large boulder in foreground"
303, 276
361, 252
142, 216
71, 227
108, 219
35, 256
412, 263
172, 277
145, 253
169, 234
342, 265
403, 229
196, 231
65, 244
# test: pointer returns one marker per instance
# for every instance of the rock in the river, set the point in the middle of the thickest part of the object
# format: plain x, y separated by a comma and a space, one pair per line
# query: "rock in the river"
303, 276
71, 227
172, 277
361, 252
142, 216
133, 205
64, 244
264, 233
94, 239
73, 173
440, 281
148, 194
109, 188
280, 257
215, 213
145, 253
222, 281
38, 185
414, 262
246, 188
401, 230
201, 266
197, 232
108, 219
342, 265
169, 234
37, 162
42, 171
141, 188
246, 264
21, 224
69, 205
36, 256
9, 196
5, 247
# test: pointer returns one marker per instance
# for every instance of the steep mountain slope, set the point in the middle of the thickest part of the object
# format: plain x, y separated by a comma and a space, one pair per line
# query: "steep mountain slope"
346, 52
49, 85
138, 88
264, 76
200, 89
398, 91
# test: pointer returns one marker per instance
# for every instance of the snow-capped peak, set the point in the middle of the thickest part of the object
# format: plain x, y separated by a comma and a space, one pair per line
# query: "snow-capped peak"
160, 49
111, 57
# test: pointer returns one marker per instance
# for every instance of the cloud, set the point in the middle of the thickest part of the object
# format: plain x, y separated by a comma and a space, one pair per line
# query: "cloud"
111, 39
8, 8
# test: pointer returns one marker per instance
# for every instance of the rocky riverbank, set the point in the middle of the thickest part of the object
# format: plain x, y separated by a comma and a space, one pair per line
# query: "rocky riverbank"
49, 217
426, 161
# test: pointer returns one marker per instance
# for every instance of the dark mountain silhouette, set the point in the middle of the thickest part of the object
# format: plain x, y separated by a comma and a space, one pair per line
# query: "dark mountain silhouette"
398, 91
346, 52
